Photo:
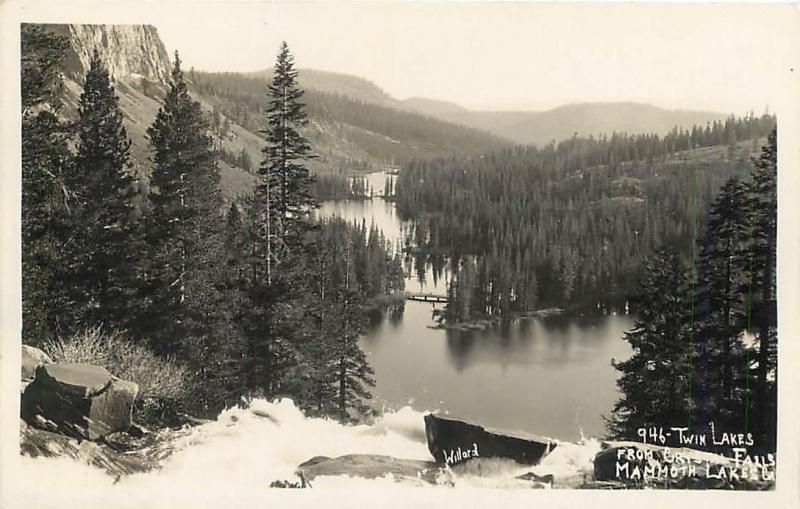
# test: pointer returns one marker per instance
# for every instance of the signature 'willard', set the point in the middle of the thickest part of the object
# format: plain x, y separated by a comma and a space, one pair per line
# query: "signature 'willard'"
458, 454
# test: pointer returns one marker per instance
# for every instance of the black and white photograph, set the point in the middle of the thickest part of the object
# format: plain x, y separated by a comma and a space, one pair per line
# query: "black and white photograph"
291, 253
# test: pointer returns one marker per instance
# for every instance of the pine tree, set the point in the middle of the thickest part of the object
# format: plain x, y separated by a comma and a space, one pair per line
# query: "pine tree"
258, 318
280, 221
354, 375
655, 379
317, 382
396, 276
228, 367
461, 292
334, 377
184, 231
761, 291
721, 277
104, 280
41, 84
285, 181
46, 200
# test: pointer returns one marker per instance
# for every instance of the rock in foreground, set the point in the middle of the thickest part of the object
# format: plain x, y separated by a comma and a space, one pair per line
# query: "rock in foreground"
40, 443
32, 358
81, 399
118, 454
451, 442
373, 466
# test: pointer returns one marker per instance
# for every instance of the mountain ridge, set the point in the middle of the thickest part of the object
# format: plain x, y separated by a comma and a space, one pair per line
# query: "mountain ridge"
354, 124
586, 119
349, 134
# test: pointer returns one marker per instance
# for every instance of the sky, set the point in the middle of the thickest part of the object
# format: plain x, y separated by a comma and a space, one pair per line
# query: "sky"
501, 55
724, 57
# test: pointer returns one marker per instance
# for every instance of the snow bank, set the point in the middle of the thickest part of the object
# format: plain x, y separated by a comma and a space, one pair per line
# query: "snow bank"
237, 456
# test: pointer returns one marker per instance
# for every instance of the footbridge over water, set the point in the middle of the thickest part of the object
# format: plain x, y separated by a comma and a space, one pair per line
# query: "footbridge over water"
426, 297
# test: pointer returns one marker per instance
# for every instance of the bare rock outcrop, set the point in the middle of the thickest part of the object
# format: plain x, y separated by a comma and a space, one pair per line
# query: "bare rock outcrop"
127, 50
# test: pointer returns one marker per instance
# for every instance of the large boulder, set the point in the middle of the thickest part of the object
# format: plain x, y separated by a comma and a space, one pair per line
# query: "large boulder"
372, 466
451, 442
634, 464
81, 399
32, 358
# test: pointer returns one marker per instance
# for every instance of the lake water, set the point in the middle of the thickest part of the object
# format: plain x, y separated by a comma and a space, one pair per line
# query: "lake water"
550, 377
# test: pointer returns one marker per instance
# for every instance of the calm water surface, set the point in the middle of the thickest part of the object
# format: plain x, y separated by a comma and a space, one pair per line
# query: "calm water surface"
548, 377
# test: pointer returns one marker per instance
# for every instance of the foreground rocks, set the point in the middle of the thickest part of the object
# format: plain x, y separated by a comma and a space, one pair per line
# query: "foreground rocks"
81, 411
81, 400
41, 443
452, 442
119, 454
373, 466
412, 472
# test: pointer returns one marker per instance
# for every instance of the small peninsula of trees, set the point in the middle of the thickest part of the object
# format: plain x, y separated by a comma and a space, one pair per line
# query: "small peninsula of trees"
252, 298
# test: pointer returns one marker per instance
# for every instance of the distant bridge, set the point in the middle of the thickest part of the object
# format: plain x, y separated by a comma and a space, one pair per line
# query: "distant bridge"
426, 297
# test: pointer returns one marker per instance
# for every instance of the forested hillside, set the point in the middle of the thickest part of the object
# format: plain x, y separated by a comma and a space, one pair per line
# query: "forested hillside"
349, 130
336, 83
570, 223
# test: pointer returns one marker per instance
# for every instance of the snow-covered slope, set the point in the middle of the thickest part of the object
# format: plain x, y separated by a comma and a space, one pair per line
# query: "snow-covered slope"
244, 450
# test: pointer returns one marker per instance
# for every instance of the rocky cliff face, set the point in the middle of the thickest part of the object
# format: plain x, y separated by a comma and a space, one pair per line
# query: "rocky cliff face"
136, 58
127, 50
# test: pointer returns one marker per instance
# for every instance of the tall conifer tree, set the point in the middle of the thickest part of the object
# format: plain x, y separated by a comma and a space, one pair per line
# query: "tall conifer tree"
46, 200
336, 377
762, 290
354, 375
232, 354
285, 181
280, 215
105, 280
655, 379
721, 279
185, 228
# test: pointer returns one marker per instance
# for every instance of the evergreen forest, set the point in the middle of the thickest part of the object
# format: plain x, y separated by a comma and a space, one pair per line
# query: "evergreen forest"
253, 298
